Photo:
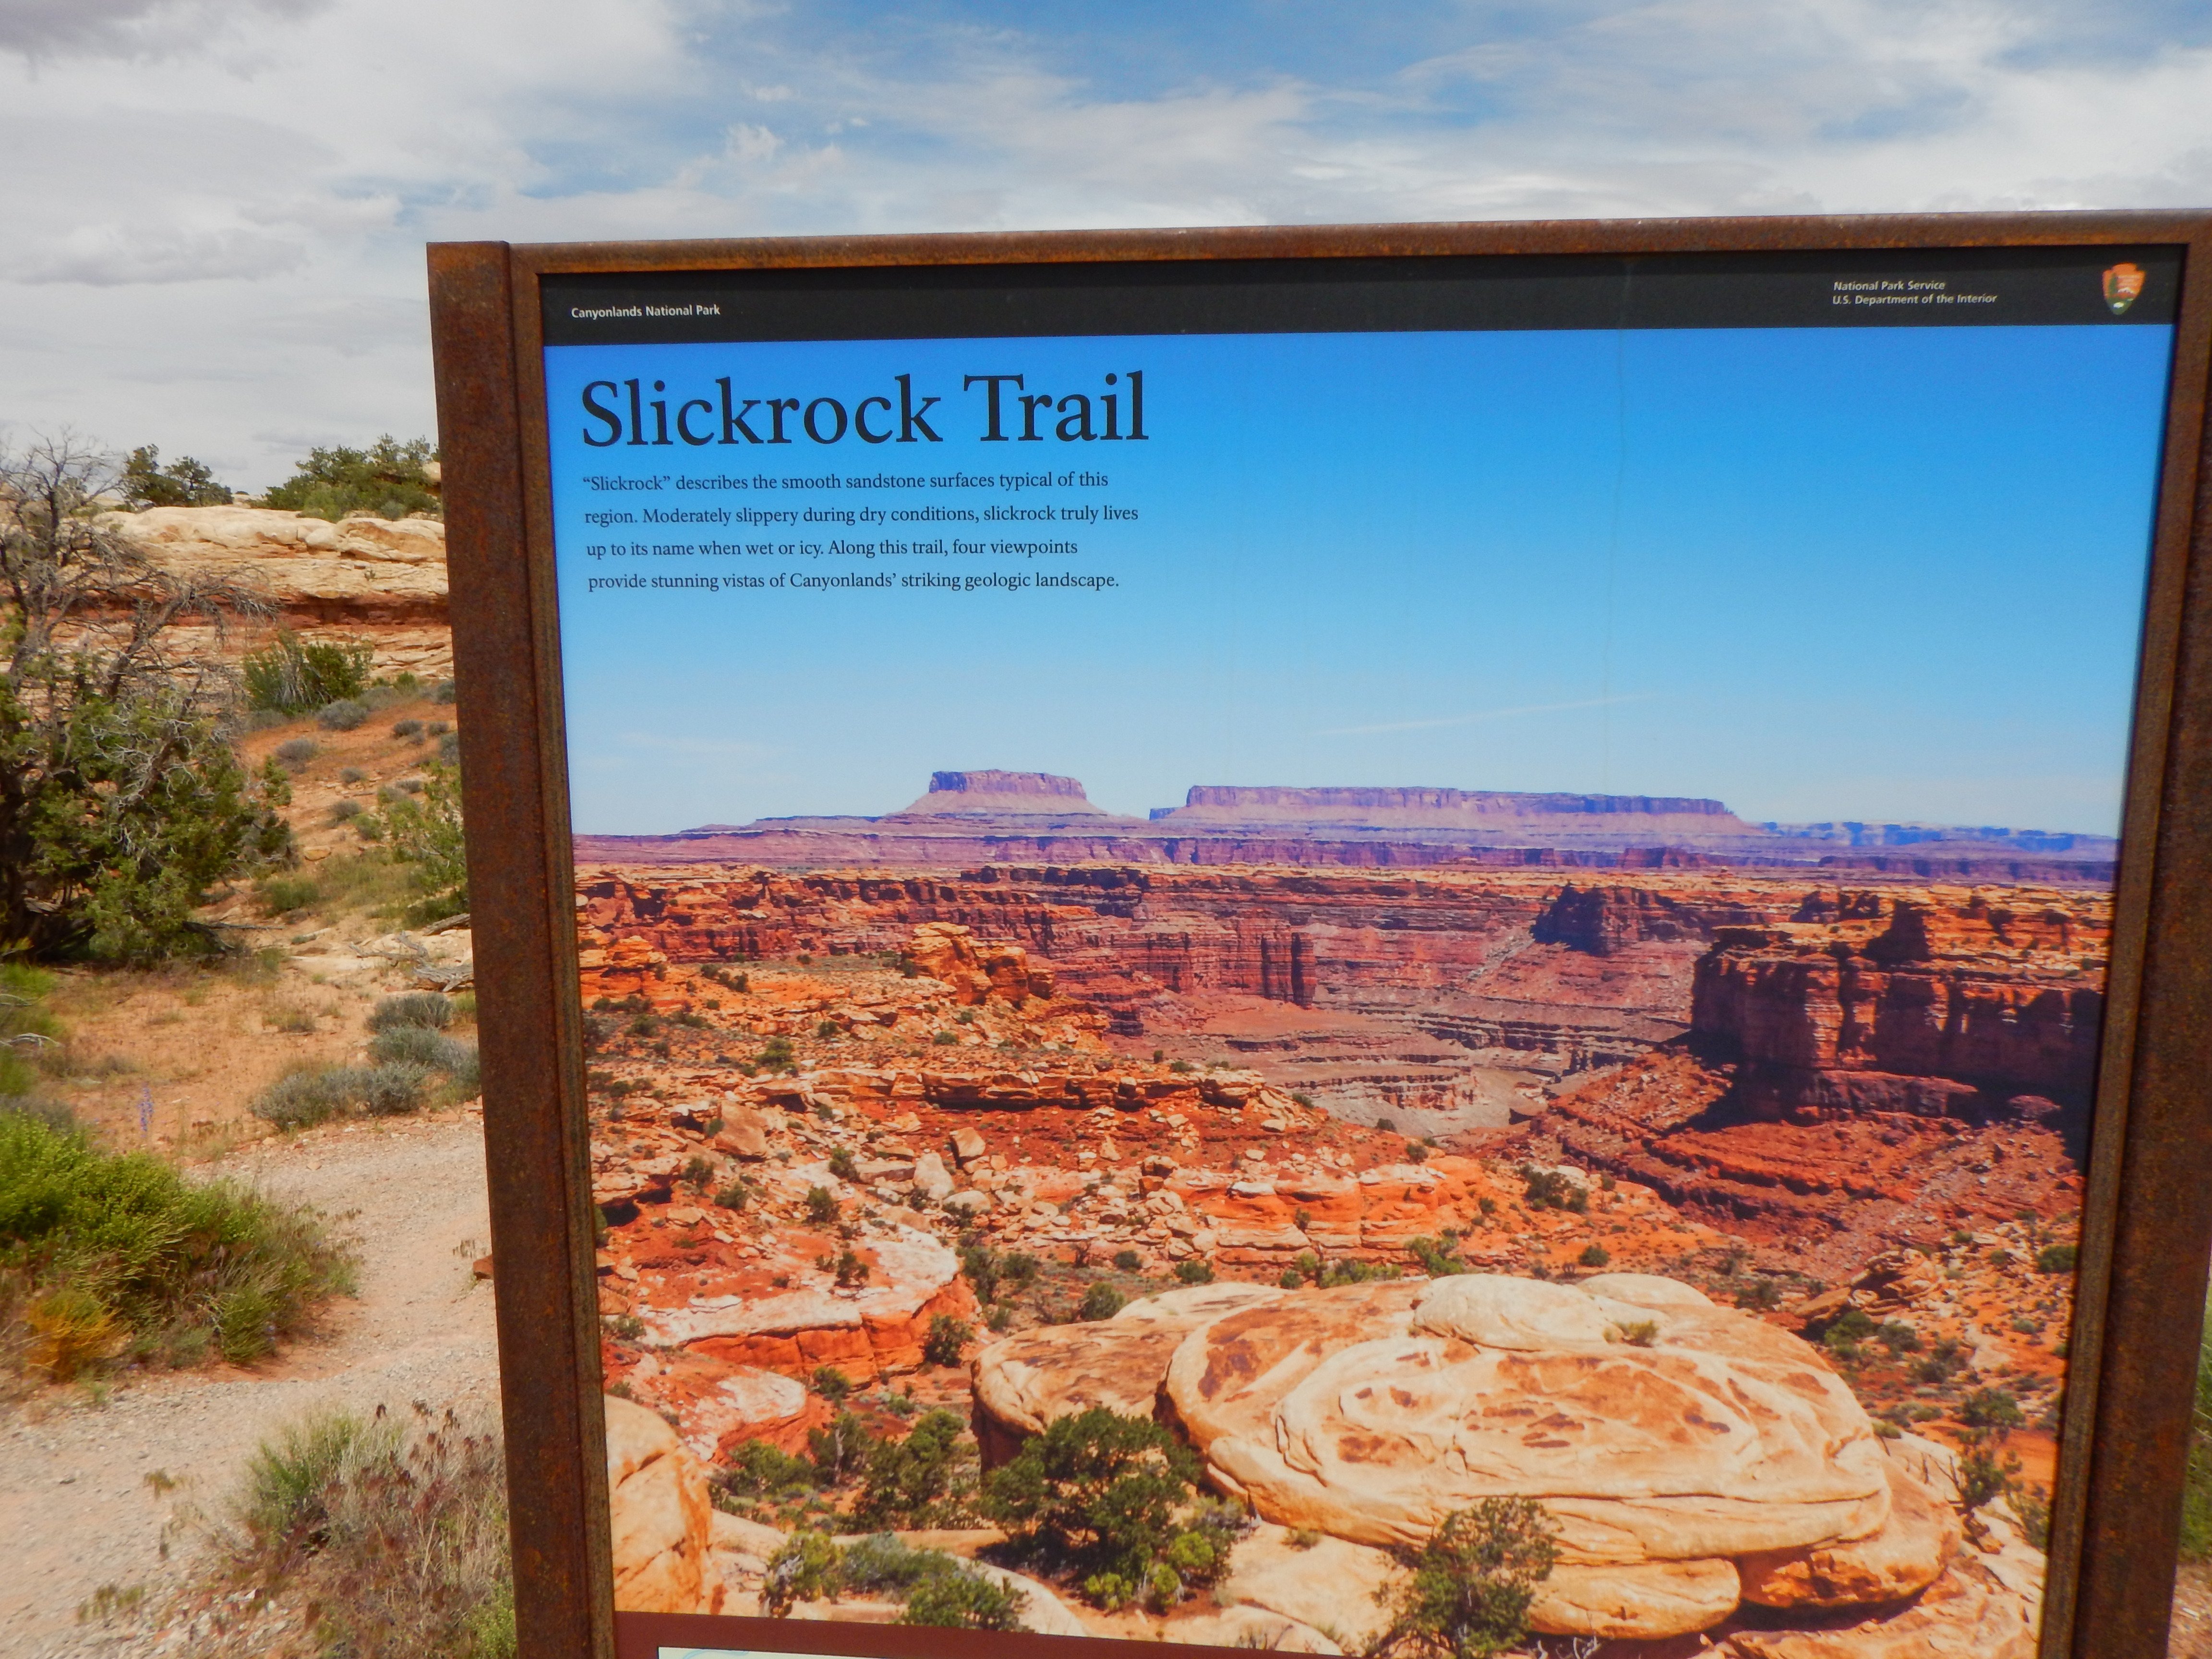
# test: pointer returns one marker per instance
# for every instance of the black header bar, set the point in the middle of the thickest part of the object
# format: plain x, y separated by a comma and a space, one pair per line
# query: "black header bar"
1856, 288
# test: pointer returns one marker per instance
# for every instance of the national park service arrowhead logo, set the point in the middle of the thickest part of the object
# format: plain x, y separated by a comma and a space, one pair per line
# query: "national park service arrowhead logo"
2123, 282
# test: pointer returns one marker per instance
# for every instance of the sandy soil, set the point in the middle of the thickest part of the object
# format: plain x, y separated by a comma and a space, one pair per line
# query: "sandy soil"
79, 1506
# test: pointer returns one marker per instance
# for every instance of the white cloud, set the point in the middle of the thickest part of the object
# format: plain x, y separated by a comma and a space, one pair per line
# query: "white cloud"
218, 206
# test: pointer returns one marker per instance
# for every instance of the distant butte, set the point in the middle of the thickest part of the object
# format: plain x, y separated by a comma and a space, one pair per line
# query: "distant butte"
968, 818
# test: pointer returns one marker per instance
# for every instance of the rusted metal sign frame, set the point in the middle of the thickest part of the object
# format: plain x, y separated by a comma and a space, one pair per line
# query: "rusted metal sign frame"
2147, 1222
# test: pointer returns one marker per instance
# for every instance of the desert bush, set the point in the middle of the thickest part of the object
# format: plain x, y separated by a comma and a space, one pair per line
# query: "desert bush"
425, 832
1983, 1473
26, 1028
2056, 1258
840, 1449
345, 714
1106, 1499
1470, 1586
387, 479
280, 896
926, 1480
104, 1256
1194, 1272
429, 1010
410, 728
1760, 1295
1127, 1262
385, 1542
145, 482
757, 1469
1992, 1408
1547, 1189
1595, 1255
821, 1206
443, 692
291, 675
1102, 1301
121, 799
316, 1094
418, 1045
947, 1336
1438, 1257
295, 752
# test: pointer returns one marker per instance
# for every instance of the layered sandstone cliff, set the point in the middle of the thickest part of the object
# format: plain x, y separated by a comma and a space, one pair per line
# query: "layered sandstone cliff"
1939, 1002
381, 581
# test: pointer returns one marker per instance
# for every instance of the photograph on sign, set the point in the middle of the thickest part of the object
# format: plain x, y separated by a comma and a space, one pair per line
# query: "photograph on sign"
1398, 957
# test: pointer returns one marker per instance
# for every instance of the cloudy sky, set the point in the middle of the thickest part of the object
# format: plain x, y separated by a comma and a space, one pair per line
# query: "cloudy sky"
216, 208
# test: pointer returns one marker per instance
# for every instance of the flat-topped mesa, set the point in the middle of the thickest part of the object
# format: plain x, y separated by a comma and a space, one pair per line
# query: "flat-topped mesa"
1438, 809
991, 795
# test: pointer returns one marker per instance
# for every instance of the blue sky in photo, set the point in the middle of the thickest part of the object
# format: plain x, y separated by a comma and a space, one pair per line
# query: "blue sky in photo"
1878, 574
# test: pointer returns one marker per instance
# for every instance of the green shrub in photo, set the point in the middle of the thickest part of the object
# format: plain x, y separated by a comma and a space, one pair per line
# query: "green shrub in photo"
1108, 1499
1102, 1301
1470, 1586
316, 1094
926, 1480
947, 1336
345, 714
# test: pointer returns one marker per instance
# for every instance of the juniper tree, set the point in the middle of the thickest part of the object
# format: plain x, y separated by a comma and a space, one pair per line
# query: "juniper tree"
121, 799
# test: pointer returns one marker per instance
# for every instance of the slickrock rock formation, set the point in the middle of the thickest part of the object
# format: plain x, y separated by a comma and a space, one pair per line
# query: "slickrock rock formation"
1026, 1383
662, 1521
1585, 1402
1691, 1457
727, 1304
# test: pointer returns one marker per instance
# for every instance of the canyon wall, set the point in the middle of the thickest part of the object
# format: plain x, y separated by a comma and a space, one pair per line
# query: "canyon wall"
1935, 1002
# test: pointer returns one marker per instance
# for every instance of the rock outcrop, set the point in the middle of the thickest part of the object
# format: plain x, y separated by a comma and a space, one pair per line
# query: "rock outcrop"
1963, 1003
661, 1519
1692, 1458
379, 580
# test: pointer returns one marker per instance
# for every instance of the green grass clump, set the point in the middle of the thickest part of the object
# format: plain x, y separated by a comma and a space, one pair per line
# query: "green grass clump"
290, 675
105, 1256
388, 1541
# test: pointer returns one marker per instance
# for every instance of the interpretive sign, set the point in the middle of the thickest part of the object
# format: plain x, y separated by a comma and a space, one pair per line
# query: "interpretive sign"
1433, 941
